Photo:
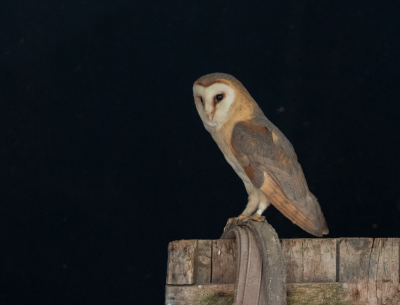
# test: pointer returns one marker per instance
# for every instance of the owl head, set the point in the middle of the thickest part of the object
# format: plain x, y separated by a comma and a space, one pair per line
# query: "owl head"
216, 95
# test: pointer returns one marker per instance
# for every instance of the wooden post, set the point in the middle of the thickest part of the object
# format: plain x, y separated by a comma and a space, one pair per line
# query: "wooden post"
318, 271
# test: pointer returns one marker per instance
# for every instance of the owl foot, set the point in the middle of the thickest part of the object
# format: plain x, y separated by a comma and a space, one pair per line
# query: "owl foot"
240, 218
231, 220
243, 217
257, 217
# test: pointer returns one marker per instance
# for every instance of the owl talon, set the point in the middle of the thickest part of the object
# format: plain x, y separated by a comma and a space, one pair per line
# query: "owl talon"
257, 217
243, 218
231, 220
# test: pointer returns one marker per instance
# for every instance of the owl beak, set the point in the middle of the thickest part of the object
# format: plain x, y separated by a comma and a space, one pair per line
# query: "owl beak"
210, 113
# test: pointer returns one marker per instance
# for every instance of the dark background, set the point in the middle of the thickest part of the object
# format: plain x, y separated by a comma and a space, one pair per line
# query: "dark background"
104, 159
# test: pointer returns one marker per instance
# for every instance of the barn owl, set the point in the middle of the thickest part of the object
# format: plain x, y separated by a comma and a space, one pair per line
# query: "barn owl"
258, 152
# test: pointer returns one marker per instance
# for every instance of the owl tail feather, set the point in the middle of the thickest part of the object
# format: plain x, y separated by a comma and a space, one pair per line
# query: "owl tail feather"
322, 220
306, 213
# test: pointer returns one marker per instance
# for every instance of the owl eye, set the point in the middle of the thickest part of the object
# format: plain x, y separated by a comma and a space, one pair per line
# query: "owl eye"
201, 100
219, 97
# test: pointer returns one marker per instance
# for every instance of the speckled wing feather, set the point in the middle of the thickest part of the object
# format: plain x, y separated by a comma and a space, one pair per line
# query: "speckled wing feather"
270, 162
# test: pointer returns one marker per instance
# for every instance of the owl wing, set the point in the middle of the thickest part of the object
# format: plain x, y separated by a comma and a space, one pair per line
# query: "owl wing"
270, 162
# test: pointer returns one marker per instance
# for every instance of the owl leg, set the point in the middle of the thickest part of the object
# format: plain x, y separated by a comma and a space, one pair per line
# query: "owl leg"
252, 205
262, 206
256, 200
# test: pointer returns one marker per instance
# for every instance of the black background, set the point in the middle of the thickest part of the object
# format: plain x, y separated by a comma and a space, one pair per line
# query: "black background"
104, 159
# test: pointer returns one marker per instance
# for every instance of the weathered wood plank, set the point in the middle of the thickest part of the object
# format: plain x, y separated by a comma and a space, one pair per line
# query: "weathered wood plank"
316, 293
293, 255
319, 260
369, 269
383, 270
355, 254
224, 261
221, 294
310, 260
181, 261
203, 262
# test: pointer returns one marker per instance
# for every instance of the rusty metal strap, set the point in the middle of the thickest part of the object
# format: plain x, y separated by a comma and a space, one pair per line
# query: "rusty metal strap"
260, 276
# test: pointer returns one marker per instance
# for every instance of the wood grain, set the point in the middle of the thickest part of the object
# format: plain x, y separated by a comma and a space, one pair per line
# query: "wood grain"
221, 294
310, 260
383, 270
203, 262
355, 254
395, 300
367, 269
316, 293
224, 261
181, 262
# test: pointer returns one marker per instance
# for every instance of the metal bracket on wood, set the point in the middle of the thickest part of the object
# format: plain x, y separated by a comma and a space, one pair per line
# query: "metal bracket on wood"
261, 274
